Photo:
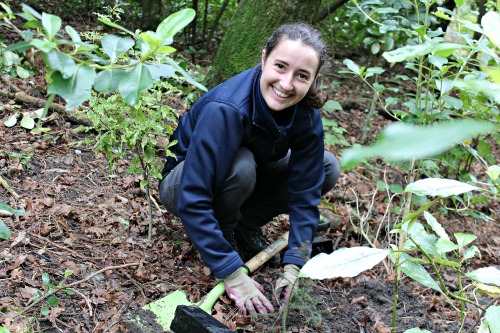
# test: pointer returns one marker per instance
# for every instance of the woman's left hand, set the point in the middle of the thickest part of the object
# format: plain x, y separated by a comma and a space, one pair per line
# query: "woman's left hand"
286, 284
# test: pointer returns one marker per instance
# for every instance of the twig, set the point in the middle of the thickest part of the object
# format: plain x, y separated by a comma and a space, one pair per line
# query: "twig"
8, 188
10, 84
84, 297
71, 285
76, 254
493, 301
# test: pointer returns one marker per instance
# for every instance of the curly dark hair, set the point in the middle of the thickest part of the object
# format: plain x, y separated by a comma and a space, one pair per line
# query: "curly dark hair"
307, 35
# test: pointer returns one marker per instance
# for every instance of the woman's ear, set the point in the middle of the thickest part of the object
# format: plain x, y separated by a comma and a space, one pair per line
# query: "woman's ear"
263, 57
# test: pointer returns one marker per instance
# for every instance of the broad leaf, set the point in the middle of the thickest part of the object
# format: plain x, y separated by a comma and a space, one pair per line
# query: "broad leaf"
7, 208
436, 226
136, 81
352, 66
494, 172
493, 318
75, 37
76, 89
113, 46
415, 51
485, 87
445, 245
159, 70
108, 80
5, 232
51, 25
12, 120
487, 275
60, 62
175, 23
464, 239
114, 25
346, 262
403, 142
27, 122
415, 270
188, 77
43, 45
491, 26
439, 187
470, 252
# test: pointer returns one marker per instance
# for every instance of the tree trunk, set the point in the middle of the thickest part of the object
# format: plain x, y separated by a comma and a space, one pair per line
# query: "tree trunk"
151, 10
248, 30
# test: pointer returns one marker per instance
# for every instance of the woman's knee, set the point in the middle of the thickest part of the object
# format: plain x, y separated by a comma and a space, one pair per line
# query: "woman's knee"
332, 171
242, 175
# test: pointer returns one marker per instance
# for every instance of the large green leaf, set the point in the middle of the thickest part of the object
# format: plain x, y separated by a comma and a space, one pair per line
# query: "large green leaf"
114, 45
402, 142
485, 87
487, 275
439, 187
60, 62
75, 37
493, 318
51, 25
415, 51
175, 23
491, 25
186, 74
43, 45
159, 70
411, 267
436, 226
137, 80
7, 208
109, 79
346, 262
76, 89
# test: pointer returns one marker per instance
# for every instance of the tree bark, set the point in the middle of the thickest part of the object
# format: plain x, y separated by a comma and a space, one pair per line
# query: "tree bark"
248, 30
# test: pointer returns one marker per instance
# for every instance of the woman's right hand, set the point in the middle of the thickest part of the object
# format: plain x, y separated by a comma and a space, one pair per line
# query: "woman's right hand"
247, 294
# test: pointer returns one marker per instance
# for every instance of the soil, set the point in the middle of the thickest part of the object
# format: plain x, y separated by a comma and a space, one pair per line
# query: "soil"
80, 218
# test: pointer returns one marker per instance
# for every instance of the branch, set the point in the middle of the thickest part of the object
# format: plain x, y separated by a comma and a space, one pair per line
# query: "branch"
331, 8
9, 189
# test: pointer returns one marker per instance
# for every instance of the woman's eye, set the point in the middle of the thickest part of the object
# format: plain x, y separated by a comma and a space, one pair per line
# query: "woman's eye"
303, 77
280, 66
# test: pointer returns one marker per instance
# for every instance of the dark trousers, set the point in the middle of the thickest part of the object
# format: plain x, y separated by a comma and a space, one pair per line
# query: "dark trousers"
249, 195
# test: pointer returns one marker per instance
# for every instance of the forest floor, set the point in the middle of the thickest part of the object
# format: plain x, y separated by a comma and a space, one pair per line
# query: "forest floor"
82, 218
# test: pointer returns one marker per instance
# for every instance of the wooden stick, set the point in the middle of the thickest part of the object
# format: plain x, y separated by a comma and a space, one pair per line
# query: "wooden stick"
9, 189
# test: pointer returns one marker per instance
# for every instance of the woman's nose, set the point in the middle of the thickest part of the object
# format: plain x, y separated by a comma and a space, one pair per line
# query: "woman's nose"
286, 83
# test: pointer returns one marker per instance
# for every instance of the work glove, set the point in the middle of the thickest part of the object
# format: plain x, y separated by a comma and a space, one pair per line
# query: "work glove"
286, 284
247, 294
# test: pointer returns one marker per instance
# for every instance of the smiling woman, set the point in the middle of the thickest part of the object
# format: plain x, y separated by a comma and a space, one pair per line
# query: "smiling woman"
251, 149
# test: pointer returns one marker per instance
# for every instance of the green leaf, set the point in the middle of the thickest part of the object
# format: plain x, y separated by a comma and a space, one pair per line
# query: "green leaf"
75, 37
76, 89
43, 45
51, 25
464, 239
114, 25
470, 252
175, 23
158, 71
414, 51
491, 26
487, 275
493, 318
5, 232
445, 245
493, 172
113, 46
411, 267
439, 187
27, 122
68, 291
12, 120
109, 79
403, 142
45, 311
185, 74
4, 329
352, 66
331, 106
60, 62
45, 279
7, 208
136, 81
346, 262
52, 300
485, 87
68, 272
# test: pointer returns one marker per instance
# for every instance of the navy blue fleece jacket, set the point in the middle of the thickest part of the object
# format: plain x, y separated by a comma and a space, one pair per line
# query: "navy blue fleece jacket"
229, 116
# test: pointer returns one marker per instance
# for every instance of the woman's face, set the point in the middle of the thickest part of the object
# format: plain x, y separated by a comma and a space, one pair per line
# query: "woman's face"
287, 73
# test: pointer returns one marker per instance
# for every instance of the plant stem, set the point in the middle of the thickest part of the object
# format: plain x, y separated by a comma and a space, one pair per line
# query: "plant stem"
396, 293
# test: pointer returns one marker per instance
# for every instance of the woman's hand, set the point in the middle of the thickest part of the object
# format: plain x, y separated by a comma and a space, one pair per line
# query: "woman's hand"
247, 294
286, 284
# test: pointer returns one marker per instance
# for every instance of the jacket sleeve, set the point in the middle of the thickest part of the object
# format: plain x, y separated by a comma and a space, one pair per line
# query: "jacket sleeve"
214, 143
307, 175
